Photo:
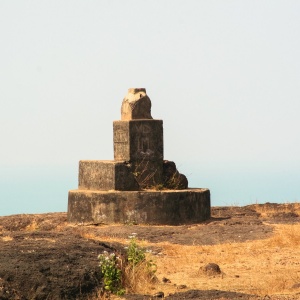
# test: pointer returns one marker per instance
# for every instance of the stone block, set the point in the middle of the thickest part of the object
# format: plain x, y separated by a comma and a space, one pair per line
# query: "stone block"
106, 175
136, 105
148, 173
166, 207
138, 140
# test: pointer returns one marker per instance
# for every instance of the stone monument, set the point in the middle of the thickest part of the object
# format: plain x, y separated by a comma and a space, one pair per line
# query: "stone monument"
138, 186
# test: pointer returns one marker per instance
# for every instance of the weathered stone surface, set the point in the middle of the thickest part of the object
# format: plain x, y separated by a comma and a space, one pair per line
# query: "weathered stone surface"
148, 173
106, 175
172, 179
136, 105
154, 192
138, 140
143, 207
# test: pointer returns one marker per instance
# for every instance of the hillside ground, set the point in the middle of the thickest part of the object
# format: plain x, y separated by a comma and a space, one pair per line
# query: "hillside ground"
257, 248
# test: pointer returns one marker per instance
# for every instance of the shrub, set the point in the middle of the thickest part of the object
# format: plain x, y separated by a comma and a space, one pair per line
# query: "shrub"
139, 271
110, 266
131, 272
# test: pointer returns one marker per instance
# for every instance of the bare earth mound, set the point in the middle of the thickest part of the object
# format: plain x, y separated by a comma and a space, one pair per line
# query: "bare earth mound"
256, 247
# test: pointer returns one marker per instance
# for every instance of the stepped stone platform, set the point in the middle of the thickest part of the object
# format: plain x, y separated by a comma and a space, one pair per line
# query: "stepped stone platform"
138, 186
167, 207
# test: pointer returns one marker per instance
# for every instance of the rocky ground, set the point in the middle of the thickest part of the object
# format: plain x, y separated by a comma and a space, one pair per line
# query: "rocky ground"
44, 257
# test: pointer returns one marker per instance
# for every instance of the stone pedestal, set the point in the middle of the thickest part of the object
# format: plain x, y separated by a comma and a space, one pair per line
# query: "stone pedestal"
166, 207
138, 186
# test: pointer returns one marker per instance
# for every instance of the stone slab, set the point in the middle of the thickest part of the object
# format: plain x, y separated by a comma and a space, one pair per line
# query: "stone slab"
166, 207
137, 140
106, 175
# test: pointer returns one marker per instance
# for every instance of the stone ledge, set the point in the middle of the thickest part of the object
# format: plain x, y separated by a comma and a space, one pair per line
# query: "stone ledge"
106, 175
167, 207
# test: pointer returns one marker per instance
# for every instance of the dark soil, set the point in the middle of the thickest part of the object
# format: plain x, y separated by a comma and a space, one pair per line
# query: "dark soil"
42, 257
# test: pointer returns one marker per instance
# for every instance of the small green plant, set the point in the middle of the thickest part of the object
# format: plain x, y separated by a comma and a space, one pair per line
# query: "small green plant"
135, 254
132, 272
136, 258
110, 266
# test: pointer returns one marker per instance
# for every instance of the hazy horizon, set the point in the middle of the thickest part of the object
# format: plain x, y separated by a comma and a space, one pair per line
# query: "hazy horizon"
222, 75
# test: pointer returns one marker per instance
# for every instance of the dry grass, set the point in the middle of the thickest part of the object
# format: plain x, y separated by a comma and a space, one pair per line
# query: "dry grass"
258, 267
98, 295
7, 238
275, 209
262, 267
286, 236
33, 226
139, 279
108, 239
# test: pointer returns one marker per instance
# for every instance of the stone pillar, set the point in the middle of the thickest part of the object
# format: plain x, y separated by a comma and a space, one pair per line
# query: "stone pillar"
140, 142
138, 139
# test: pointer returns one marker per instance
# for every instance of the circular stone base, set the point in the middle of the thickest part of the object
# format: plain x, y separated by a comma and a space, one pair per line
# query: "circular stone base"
167, 207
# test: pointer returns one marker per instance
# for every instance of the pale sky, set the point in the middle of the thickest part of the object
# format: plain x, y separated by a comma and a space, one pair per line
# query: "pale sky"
223, 75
